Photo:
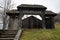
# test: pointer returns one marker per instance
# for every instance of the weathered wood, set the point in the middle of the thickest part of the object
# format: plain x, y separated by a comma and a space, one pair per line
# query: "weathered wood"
10, 22
20, 21
32, 22
52, 22
13, 23
43, 19
31, 12
49, 22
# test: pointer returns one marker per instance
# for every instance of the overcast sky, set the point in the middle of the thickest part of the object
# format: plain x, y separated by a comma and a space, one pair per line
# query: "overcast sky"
53, 5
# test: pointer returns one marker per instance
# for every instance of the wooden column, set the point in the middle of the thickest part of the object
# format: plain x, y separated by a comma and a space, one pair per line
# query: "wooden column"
43, 19
10, 23
20, 21
52, 22
15, 23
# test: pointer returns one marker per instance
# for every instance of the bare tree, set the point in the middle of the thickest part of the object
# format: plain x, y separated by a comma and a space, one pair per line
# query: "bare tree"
1, 7
7, 6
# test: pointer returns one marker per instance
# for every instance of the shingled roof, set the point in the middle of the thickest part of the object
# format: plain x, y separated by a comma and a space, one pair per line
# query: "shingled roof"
28, 6
13, 12
50, 13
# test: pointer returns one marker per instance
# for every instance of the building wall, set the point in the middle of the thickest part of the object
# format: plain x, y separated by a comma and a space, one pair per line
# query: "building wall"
32, 22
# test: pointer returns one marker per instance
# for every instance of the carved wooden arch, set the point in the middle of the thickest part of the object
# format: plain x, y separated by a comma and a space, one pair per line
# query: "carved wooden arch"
23, 12
30, 10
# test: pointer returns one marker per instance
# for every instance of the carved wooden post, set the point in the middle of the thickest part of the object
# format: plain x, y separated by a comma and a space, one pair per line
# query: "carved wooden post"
15, 23
52, 22
20, 21
10, 22
43, 19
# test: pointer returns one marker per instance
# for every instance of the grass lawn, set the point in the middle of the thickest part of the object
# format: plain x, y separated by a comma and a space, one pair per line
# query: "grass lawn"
42, 34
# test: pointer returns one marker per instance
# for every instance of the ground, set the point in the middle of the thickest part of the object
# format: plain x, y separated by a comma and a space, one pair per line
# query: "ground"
42, 34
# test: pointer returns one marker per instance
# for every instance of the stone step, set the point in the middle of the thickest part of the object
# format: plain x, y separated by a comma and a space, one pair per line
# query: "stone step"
8, 33
6, 38
8, 30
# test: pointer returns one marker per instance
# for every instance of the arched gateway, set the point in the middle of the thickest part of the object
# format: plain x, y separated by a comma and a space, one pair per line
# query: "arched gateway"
15, 21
